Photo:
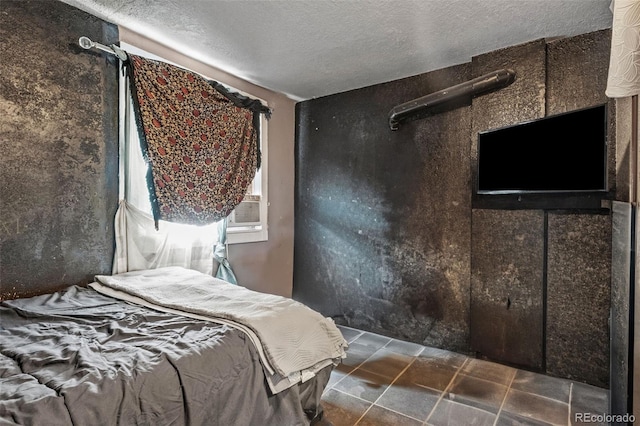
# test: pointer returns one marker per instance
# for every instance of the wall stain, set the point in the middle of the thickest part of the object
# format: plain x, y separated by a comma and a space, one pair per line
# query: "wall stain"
59, 163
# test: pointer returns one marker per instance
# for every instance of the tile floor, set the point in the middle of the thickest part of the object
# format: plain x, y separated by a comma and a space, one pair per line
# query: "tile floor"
385, 381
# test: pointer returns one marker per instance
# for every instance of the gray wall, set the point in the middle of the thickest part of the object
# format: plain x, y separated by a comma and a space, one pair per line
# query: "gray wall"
383, 225
389, 239
58, 133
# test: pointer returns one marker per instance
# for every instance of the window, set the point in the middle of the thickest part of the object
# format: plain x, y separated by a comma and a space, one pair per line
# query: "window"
247, 223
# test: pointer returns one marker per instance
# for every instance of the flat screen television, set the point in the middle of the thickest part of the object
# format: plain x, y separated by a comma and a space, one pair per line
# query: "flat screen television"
564, 153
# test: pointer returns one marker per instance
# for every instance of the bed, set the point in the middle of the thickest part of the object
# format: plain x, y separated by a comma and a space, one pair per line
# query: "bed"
168, 346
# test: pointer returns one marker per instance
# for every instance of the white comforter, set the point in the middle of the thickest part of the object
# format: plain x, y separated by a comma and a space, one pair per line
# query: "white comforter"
293, 340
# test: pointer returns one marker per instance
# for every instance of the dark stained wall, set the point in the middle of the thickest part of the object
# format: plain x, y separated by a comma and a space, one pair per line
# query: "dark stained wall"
540, 294
383, 228
58, 136
388, 238
580, 245
507, 251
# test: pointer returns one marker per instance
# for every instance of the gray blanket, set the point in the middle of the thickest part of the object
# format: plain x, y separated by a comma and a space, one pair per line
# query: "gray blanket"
81, 358
295, 341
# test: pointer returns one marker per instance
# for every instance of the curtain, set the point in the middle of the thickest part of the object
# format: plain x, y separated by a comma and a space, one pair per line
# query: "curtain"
624, 64
200, 140
139, 245
220, 255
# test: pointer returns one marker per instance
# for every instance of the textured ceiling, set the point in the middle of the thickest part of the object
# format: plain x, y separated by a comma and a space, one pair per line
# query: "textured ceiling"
311, 48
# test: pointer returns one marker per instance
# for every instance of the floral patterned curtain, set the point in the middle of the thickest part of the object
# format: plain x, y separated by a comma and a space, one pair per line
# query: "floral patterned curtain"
200, 140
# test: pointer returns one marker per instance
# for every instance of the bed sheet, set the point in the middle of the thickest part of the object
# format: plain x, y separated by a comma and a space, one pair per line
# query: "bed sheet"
77, 357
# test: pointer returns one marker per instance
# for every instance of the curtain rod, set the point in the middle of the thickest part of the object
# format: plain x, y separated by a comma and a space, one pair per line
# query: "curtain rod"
86, 43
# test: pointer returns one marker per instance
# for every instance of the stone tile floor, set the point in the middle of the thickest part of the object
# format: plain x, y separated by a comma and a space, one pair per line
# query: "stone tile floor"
386, 381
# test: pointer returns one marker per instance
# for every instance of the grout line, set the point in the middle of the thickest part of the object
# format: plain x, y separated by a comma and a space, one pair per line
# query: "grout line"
361, 399
483, 379
506, 394
393, 411
422, 347
355, 338
445, 391
352, 396
541, 396
371, 404
360, 332
337, 381
390, 384
369, 357
358, 366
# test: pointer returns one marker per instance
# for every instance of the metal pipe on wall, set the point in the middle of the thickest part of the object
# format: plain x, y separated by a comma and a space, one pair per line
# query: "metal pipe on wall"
484, 84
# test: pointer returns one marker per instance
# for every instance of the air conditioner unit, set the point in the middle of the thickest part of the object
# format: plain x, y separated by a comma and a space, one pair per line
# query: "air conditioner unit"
247, 213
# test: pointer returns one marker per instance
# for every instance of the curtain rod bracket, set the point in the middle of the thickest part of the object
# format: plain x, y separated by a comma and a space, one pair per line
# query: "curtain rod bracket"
86, 43
487, 83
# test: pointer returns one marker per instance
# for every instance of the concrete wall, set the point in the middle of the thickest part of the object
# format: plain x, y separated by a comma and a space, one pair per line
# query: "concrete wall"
383, 229
580, 244
58, 133
389, 237
507, 252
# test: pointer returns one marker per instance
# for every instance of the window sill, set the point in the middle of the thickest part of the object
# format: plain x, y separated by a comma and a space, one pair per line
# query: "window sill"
240, 236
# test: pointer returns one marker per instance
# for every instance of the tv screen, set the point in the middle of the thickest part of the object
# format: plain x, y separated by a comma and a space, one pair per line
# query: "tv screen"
561, 153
